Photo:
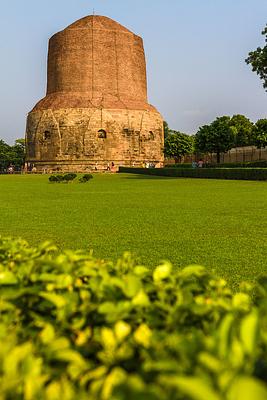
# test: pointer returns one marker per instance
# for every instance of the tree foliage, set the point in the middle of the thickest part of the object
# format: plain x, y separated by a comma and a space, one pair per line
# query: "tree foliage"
166, 129
260, 133
12, 155
218, 137
178, 144
258, 60
243, 130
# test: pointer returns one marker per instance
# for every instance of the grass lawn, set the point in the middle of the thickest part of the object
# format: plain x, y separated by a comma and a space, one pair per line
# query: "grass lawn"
216, 223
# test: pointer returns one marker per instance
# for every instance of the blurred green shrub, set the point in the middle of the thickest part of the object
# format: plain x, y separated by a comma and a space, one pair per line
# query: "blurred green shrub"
75, 327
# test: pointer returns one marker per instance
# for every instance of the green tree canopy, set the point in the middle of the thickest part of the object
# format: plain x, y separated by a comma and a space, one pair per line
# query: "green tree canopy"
218, 137
4, 155
258, 60
12, 155
260, 133
166, 129
178, 144
242, 129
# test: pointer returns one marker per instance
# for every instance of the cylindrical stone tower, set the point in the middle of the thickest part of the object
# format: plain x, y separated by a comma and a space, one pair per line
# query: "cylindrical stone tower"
95, 112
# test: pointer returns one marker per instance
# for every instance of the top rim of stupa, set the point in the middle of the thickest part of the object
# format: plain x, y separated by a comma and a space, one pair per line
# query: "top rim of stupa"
100, 22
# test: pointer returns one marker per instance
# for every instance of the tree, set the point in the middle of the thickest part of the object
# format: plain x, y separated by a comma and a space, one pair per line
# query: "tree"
218, 137
18, 151
166, 129
258, 60
12, 155
242, 129
260, 133
177, 145
20, 142
4, 155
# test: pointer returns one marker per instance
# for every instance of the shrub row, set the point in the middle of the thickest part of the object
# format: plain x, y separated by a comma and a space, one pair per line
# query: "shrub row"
74, 327
252, 164
181, 165
256, 174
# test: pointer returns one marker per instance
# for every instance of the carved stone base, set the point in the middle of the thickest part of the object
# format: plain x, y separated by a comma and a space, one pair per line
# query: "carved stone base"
82, 139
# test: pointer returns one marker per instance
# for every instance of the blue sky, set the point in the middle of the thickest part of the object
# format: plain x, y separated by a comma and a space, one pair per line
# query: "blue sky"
195, 53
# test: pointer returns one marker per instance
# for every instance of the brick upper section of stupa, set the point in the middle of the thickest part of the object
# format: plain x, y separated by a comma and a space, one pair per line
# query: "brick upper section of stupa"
96, 63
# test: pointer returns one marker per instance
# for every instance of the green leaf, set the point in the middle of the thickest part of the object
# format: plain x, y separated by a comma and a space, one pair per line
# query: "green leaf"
7, 278
61, 280
122, 330
210, 362
241, 301
162, 272
143, 335
13, 359
236, 354
47, 335
116, 377
56, 299
224, 335
249, 332
193, 270
141, 271
132, 285
69, 355
141, 299
54, 391
107, 308
194, 388
94, 374
60, 343
108, 339
247, 388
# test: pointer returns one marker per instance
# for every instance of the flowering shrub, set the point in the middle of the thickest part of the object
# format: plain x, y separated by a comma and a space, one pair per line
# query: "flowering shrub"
75, 327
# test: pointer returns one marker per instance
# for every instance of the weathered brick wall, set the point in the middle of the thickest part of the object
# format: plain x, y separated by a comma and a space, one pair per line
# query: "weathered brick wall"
72, 135
96, 80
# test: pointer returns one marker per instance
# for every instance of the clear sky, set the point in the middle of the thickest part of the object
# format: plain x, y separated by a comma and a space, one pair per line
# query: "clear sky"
195, 53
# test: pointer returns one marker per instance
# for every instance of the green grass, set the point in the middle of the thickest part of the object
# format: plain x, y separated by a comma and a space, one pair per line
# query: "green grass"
216, 223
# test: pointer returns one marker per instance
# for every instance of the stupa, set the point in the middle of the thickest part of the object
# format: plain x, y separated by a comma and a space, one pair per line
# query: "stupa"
96, 110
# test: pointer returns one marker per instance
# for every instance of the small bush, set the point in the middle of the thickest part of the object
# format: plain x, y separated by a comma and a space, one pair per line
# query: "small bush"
56, 178
75, 327
69, 177
53, 178
85, 178
62, 178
